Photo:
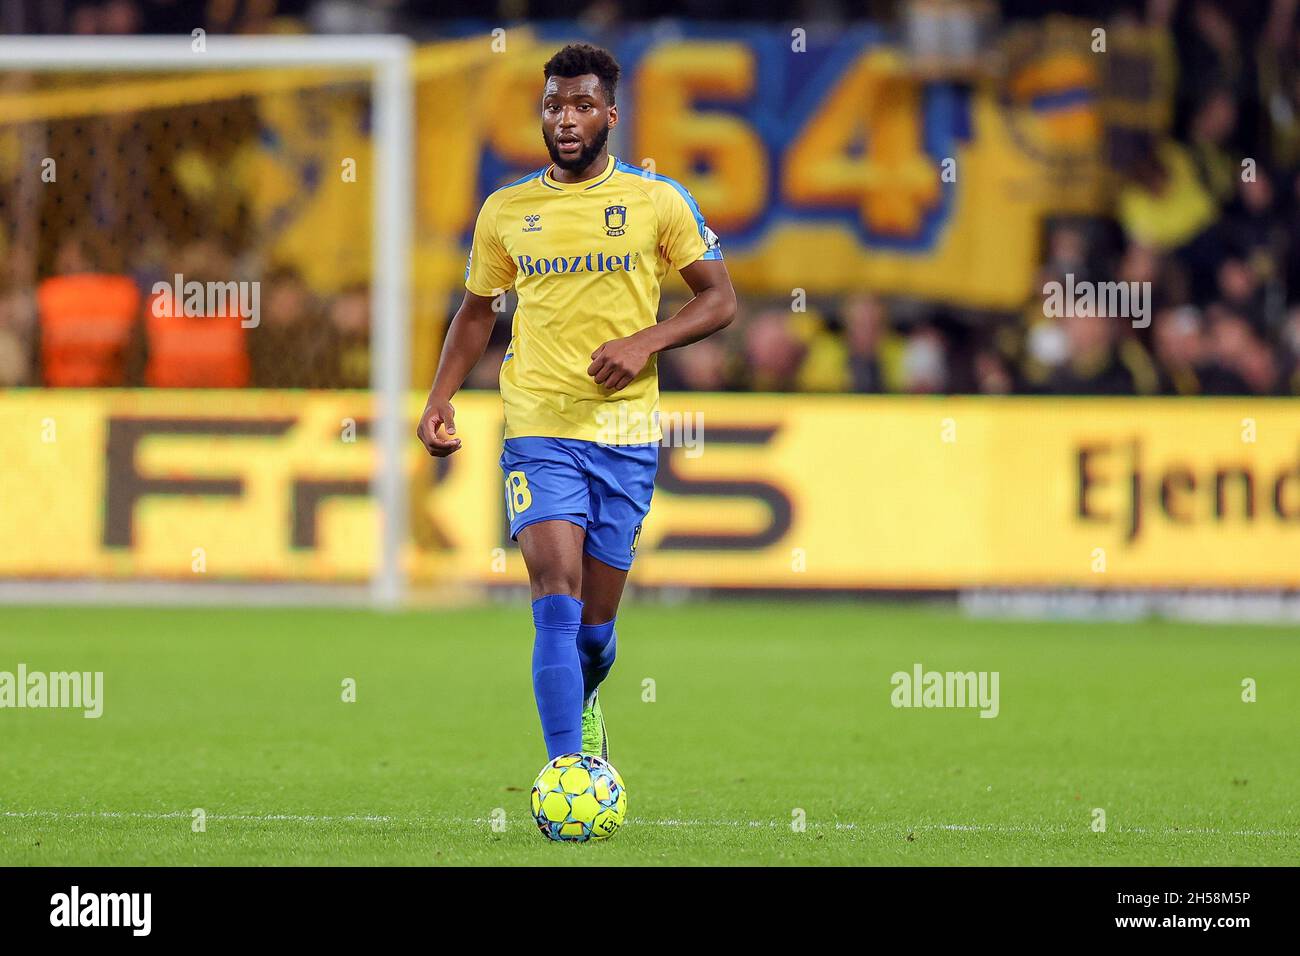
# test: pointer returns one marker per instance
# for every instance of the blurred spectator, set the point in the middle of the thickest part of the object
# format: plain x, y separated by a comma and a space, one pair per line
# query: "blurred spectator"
925, 362
119, 17
1251, 224
86, 320
1097, 364
1291, 342
864, 329
1240, 290
1209, 146
825, 363
1235, 348
86, 19
716, 368
1186, 367
1163, 205
349, 317
1068, 252
1178, 349
773, 352
292, 347
17, 331
992, 376
1261, 369
204, 350
1140, 264
702, 367
1278, 62
1209, 48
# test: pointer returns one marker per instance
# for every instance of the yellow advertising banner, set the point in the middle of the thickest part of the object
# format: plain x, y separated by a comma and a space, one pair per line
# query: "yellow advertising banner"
753, 491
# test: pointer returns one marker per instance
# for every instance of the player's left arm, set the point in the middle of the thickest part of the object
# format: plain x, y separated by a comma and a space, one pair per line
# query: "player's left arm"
618, 361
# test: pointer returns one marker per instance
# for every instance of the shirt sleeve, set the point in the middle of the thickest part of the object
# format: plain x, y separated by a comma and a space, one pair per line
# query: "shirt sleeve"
683, 236
490, 270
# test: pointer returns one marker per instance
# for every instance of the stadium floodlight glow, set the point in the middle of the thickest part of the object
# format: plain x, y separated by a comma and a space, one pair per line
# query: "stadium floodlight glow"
389, 57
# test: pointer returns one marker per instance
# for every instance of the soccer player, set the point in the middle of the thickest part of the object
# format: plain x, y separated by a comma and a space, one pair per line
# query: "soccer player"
585, 241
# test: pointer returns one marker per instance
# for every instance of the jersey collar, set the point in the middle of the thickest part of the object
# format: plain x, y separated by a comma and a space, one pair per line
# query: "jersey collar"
579, 187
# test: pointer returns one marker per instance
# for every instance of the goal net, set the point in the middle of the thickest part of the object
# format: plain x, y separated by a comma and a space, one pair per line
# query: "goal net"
204, 314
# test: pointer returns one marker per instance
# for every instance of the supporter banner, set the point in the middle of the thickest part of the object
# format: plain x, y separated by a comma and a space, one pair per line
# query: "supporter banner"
753, 491
822, 160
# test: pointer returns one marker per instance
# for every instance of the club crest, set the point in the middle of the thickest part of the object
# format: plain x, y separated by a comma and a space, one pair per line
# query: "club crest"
615, 220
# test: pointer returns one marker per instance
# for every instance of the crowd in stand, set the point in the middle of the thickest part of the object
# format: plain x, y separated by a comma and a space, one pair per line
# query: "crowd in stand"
1207, 218
84, 326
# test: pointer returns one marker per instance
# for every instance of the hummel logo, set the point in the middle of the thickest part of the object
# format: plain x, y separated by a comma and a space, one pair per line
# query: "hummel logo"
532, 223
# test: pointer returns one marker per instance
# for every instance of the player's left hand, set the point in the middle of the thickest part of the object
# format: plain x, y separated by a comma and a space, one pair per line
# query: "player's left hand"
617, 362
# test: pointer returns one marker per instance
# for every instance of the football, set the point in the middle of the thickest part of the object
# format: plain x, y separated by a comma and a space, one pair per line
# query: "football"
579, 797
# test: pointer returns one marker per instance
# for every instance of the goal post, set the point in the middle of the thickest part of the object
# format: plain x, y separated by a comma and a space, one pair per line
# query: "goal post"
387, 59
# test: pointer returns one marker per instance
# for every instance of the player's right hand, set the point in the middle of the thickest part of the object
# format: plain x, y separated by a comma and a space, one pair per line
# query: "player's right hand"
437, 429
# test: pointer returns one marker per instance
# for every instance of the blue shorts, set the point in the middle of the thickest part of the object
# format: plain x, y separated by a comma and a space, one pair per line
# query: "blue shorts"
604, 489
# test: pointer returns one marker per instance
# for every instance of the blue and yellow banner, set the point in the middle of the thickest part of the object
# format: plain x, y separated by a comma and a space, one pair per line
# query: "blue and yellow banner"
825, 162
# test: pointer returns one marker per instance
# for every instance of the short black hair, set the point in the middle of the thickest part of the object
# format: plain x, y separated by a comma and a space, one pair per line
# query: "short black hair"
579, 59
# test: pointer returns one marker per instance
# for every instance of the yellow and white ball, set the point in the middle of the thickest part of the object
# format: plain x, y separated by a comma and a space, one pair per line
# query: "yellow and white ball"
579, 797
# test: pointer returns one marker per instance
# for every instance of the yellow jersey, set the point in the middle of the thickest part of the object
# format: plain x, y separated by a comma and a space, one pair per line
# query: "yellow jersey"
586, 260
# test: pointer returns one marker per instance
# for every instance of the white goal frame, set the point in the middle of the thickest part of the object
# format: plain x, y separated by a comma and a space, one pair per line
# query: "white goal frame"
391, 87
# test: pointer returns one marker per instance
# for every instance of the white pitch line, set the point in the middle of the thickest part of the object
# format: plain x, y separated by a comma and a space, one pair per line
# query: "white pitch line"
179, 814
1061, 828
954, 827
635, 821
750, 824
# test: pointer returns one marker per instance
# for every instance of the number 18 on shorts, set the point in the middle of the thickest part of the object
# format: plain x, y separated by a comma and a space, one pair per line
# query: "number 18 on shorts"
604, 489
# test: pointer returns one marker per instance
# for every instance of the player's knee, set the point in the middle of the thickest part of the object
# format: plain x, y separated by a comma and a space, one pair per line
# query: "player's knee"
556, 582
597, 610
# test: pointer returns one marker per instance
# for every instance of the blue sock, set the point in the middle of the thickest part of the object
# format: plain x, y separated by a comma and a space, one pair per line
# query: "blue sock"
557, 672
596, 650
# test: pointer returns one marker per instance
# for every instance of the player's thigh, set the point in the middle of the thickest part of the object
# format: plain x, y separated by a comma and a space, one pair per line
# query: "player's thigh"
552, 551
602, 590
547, 503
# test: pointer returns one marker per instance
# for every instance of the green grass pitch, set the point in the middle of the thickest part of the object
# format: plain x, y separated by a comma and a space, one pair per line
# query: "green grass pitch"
759, 710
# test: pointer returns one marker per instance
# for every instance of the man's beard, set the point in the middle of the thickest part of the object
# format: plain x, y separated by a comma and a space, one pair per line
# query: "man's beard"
584, 158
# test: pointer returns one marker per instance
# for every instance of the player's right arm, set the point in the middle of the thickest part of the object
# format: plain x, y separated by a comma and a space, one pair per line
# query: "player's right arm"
467, 340
490, 272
